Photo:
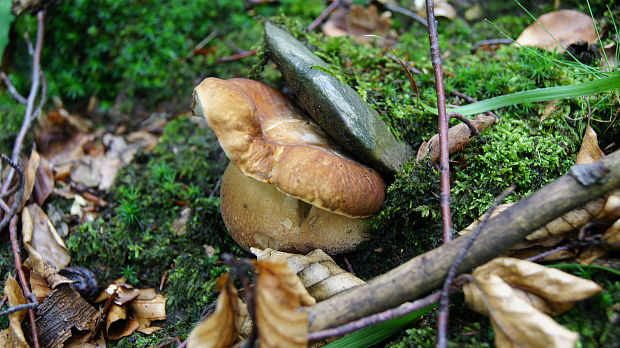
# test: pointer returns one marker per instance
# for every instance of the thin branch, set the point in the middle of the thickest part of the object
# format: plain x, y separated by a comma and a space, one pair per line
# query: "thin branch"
491, 42
20, 307
326, 12
236, 56
444, 155
442, 316
399, 311
22, 277
406, 12
20, 191
472, 129
12, 89
34, 88
4, 206
473, 100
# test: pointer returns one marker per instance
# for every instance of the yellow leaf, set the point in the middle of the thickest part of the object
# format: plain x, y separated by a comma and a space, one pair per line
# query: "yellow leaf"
41, 239
516, 294
221, 328
590, 151
279, 294
15, 337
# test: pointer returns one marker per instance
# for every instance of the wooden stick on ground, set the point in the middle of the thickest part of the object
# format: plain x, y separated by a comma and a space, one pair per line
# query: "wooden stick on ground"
427, 271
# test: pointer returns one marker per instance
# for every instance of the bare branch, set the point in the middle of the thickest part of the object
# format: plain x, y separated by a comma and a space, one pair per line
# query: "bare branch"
442, 316
12, 89
326, 12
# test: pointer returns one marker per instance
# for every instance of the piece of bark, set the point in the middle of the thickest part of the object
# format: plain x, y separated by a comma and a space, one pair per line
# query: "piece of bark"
62, 311
426, 272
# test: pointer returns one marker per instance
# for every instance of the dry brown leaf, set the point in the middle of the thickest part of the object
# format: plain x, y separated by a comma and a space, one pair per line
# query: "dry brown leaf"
30, 174
552, 106
44, 182
318, 272
14, 336
458, 137
279, 294
118, 324
515, 293
46, 271
442, 9
590, 151
561, 28
551, 284
516, 322
357, 22
612, 235
220, 329
150, 308
41, 239
610, 61
124, 292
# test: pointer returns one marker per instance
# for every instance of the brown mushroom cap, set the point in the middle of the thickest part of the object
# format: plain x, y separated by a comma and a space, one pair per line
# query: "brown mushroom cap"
270, 140
256, 214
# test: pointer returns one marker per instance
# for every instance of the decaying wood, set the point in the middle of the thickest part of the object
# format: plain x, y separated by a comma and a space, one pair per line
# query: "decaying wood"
61, 311
426, 272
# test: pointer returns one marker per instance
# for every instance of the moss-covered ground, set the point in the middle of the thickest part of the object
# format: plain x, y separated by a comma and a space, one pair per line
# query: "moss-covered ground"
136, 237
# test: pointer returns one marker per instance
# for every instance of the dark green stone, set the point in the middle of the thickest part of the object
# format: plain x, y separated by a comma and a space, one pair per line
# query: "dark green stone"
337, 108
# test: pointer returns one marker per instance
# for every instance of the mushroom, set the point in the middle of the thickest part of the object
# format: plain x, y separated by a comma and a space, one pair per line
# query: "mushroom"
288, 187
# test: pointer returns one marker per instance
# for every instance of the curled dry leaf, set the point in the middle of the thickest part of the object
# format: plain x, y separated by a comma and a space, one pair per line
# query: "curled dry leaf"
14, 335
442, 9
515, 321
222, 328
118, 324
357, 22
41, 239
558, 29
279, 294
516, 294
30, 174
458, 137
44, 182
590, 151
318, 272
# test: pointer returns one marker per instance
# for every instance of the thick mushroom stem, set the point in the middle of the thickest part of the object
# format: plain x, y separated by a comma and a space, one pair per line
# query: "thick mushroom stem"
256, 214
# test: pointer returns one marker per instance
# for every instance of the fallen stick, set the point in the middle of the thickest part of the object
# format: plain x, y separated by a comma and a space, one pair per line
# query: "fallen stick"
427, 271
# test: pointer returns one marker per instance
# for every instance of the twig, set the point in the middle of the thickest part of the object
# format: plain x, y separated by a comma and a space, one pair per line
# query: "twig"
472, 129
399, 311
442, 316
22, 277
444, 155
491, 42
549, 252
4, 206
236, 56
34, 88
20, 307
12, 88
20, 191
326, 12
405, 12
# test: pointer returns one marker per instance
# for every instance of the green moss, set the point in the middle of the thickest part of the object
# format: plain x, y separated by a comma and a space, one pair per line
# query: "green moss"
11, 116
135, 236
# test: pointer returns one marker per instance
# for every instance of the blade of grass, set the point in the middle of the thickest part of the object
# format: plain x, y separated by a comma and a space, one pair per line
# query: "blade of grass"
374, 334
580, 267
538, 95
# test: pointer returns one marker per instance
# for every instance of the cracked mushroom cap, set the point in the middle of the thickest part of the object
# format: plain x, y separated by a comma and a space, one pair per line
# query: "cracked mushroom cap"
270, 140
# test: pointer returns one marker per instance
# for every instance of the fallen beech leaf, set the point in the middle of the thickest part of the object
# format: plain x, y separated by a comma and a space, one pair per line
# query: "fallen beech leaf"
47, 272
14, 335
30, 174
516, 322
442, 9
124, 292
610, 62
590, 151
552, 106
44, 182
458, 137
515, 293
279, 294
63, 314
220, 329
612, 235
570, 221
561, 28
318, 272
41, 239
550, 283
150, 308
118, 324
359, 21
